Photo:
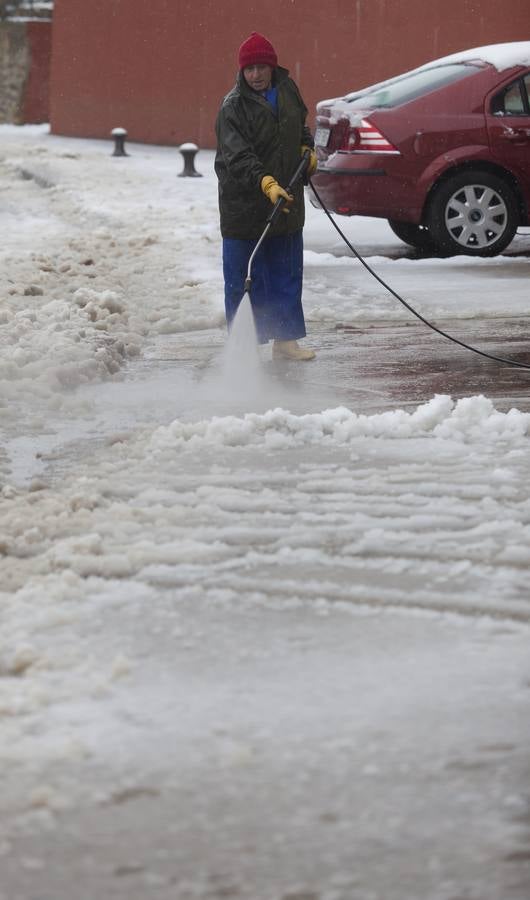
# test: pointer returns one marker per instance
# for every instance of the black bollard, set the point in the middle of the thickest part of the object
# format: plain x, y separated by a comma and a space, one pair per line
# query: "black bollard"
189, 152
119, 135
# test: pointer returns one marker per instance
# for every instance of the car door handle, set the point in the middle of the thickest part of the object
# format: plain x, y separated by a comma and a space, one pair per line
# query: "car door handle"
516, 134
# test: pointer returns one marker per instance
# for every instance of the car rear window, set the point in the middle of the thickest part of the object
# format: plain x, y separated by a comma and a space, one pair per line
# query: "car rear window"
410, 87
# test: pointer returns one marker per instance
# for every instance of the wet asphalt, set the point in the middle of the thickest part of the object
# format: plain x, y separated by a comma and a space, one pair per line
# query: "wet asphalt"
379, 366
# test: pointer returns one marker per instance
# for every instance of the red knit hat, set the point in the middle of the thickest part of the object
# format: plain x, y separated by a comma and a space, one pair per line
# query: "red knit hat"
257, 50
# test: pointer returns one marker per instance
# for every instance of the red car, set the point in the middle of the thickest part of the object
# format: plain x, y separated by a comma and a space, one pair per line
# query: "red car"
442, 152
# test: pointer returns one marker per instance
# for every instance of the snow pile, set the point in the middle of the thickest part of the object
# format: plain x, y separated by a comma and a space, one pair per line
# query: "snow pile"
96, 260
469, 419
57, 344
476, 419
173, 497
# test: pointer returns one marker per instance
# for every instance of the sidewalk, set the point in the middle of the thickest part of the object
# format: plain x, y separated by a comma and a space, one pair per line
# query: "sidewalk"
377, 366
405, 364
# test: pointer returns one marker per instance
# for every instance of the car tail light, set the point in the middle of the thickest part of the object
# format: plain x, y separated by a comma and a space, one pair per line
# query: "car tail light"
339, 135
365, 138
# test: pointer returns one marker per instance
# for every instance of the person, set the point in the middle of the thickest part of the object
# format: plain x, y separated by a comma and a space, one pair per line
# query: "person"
261, 133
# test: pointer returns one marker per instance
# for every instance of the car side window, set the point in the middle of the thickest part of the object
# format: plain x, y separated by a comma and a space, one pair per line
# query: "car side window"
526, 89
512, 100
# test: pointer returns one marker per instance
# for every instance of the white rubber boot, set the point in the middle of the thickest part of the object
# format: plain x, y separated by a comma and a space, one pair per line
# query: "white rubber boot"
291, 350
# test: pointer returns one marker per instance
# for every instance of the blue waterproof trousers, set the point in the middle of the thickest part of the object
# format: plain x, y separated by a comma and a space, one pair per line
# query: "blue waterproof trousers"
276, 290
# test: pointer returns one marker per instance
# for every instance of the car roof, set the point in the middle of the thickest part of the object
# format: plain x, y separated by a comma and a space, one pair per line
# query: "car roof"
500, 56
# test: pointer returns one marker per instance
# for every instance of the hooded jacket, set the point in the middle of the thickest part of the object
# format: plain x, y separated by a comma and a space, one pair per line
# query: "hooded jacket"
252, 141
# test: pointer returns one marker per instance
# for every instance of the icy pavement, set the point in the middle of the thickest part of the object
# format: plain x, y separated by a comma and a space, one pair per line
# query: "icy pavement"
263, 639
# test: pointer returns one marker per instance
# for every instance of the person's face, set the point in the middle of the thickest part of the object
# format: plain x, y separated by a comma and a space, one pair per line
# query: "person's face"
258, 77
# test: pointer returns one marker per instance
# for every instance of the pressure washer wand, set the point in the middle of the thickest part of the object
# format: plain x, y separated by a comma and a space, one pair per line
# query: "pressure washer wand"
276, 209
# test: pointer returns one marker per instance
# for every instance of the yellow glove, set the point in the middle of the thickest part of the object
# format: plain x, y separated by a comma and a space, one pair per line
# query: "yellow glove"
274, 191
313, 160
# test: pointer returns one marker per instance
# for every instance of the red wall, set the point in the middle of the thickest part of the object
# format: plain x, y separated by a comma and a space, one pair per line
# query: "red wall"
36, 98
160, 68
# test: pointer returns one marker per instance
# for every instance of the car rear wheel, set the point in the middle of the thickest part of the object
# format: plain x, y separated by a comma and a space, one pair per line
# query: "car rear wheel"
417, 236
473, 212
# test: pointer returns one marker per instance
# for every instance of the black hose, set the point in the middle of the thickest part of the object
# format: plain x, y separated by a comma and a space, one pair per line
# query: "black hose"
510, 362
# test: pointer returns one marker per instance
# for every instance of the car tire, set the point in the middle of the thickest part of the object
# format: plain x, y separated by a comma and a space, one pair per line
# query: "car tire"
417, 236
474, 213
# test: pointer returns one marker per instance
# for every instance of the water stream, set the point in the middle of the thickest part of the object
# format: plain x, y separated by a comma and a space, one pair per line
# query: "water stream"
241, 368
202, 378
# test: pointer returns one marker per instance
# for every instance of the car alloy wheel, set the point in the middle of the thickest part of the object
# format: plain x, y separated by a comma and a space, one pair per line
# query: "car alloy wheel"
473, 212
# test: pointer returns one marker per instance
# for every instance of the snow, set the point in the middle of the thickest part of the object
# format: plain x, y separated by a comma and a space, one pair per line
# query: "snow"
261, 619
473, 416
31, 6
501, 56
30, 11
